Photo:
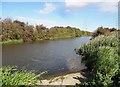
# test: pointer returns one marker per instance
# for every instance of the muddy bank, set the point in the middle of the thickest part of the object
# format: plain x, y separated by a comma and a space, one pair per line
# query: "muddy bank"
68, 79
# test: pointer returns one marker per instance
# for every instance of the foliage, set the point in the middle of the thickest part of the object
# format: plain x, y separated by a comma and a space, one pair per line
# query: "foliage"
103, 31
116, 79
15, 30
13, 76
101, 56
106, 65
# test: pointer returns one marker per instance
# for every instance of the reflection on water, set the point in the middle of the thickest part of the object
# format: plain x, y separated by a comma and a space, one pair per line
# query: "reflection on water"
74, 64
54, 56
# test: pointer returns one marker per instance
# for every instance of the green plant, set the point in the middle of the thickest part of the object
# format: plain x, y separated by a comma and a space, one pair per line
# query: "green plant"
90, 49
14, 76
106, 65
101, 56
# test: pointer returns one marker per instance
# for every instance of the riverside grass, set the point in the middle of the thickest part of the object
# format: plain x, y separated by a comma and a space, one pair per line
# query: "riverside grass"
11, 41
12, 76
37, 40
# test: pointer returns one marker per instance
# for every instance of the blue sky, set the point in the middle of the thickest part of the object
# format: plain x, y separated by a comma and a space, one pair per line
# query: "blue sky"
84, 15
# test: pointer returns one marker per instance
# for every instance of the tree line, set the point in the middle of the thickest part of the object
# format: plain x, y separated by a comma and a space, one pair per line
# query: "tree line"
15, 30
103, 31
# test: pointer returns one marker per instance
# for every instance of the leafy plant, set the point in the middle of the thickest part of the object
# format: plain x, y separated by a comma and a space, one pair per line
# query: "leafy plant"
101, 56
13, 76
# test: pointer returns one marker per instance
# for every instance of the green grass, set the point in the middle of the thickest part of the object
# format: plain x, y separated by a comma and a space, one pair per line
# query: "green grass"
12, 76
37, 40
12, 41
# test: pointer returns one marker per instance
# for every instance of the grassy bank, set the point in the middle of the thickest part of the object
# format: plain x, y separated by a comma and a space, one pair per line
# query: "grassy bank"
37, 40
11, 42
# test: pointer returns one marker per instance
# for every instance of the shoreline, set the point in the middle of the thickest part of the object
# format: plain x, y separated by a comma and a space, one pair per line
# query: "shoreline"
20, 41
71, 78
60, 74
11, 42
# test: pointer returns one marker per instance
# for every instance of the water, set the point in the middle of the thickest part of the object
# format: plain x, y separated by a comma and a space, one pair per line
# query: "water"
57, 57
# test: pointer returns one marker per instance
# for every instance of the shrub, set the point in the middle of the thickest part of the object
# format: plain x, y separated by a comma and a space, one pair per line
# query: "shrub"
106, 65
101, 56
90, 49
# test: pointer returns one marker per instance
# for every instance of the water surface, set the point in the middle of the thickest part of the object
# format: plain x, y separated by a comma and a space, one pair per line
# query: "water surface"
57, 57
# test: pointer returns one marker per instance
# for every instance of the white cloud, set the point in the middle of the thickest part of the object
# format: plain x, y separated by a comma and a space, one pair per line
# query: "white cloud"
36, 21
91, 0
104, 5
73, 4
111, 7
70, 4
49, 7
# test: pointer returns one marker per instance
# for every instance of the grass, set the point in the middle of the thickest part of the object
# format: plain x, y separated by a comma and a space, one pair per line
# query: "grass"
12, 76
37, 40
11, 41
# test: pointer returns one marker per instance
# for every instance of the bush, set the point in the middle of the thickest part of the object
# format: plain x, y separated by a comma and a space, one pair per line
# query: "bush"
101, 56
90, 49
106, 65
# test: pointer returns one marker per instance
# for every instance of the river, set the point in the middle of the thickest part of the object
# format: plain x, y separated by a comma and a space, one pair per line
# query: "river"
56, 57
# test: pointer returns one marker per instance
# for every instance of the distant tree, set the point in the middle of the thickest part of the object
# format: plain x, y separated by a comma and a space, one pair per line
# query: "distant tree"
19, 30
103, 31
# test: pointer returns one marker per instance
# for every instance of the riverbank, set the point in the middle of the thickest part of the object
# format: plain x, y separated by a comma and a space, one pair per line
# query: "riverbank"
37, 40
11, 42
67, 79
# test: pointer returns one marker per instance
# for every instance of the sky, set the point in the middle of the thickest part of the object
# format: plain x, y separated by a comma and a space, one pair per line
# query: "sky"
84, 15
